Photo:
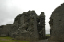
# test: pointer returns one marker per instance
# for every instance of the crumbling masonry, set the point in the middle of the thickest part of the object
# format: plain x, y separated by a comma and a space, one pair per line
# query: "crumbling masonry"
57, 24
26, 26
30, 26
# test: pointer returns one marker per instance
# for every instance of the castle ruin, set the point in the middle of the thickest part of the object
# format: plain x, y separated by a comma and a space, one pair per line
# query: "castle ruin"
26, 26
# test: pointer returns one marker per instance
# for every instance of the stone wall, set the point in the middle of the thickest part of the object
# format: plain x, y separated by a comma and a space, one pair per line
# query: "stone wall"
5, 29
57, 24
26, 26
30, 22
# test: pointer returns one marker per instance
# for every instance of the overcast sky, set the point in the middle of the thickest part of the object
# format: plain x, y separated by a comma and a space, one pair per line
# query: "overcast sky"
9, 9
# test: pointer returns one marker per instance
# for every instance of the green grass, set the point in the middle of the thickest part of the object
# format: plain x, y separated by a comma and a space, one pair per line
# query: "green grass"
47, 34
9, 39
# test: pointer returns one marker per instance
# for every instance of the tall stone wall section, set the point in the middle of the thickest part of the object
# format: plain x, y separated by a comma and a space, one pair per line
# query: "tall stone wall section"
42, 24
57, 25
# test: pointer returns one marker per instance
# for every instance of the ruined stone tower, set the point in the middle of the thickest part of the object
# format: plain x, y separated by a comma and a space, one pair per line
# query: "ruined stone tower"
41, 25
57, 24
32, 24
29, 25
26, 26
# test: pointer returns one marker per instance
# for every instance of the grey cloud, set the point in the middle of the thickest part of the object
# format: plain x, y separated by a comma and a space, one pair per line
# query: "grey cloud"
7, 21
7, 14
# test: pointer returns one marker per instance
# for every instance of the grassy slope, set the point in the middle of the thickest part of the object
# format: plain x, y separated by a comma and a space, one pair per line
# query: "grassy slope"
9, 39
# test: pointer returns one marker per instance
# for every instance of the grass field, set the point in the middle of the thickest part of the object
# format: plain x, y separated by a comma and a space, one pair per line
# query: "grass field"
9, 39
47, 34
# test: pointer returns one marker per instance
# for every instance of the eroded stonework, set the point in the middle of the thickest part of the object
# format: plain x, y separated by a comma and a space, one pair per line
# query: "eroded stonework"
57, 24
26, 26
5, 30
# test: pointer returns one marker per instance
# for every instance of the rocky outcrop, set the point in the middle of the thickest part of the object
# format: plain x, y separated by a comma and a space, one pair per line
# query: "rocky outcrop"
57, 24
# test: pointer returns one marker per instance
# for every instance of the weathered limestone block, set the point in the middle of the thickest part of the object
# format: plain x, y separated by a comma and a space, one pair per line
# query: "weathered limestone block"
57, 24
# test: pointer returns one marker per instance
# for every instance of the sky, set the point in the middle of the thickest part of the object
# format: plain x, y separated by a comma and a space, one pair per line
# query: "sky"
9, 9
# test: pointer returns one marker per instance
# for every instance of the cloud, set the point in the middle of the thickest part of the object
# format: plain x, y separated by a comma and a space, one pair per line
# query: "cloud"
7, 21
9, 9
